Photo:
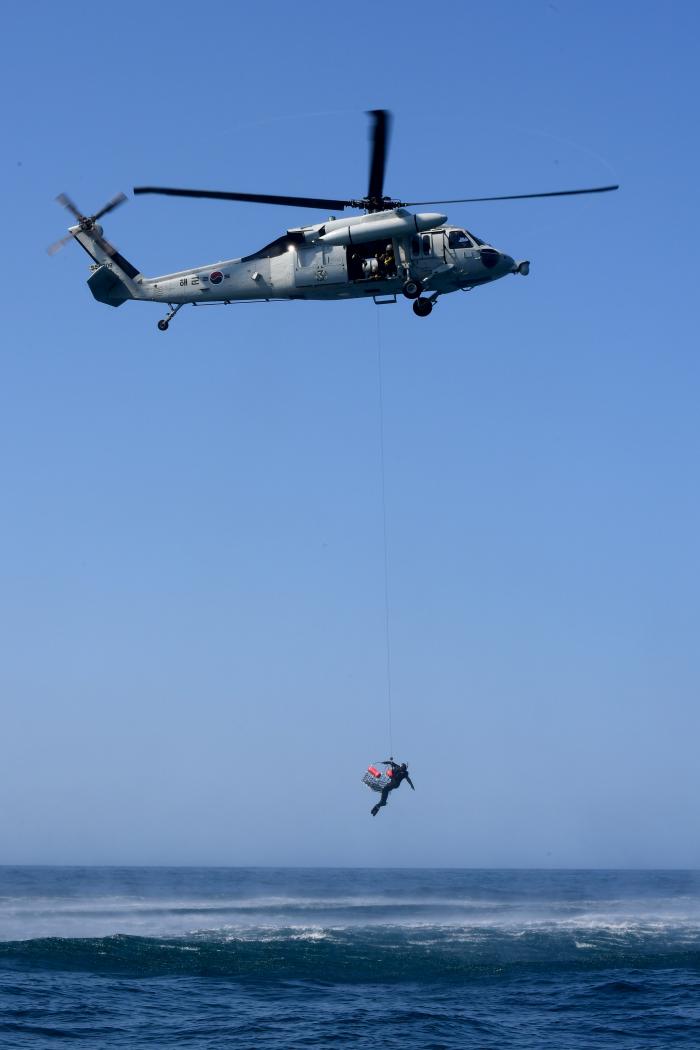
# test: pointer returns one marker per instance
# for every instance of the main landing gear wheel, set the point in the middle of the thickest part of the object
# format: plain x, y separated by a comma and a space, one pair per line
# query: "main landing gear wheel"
165, 322
422, 307
412, 289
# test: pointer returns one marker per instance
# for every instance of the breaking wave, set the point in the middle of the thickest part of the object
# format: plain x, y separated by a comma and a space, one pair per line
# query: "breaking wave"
378, 952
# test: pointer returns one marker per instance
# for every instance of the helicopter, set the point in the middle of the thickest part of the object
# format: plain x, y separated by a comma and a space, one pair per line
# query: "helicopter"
386, 252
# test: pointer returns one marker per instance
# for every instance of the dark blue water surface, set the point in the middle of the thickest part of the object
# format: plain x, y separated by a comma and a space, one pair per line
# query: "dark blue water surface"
284, 958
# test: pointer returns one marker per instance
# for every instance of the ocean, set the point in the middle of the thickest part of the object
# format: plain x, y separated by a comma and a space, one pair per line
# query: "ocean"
292, 957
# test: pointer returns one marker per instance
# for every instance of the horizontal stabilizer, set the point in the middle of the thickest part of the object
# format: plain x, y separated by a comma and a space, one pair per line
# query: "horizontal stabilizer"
107, 287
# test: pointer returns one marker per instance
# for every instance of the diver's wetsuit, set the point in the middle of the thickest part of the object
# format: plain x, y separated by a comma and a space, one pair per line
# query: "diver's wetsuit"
399, 773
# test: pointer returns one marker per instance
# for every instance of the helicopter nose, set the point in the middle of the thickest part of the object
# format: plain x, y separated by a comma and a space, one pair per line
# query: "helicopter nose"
498, 262
489, 257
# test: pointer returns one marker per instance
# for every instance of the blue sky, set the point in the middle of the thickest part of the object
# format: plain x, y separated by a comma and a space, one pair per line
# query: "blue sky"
191, 562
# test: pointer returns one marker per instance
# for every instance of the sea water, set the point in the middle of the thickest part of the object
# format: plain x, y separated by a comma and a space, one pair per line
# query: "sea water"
272, 957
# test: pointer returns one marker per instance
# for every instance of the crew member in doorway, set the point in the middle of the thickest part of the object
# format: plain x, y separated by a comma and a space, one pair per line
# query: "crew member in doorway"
398, 773
386, 261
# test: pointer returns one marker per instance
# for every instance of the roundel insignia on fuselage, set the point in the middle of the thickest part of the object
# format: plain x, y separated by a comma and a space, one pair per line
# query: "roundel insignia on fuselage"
216, 277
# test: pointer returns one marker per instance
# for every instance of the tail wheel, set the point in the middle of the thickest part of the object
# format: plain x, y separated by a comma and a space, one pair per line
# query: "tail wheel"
422, 307
412, 289
162, 326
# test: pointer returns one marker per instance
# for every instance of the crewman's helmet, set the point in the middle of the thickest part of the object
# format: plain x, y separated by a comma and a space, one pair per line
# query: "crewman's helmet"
404, 765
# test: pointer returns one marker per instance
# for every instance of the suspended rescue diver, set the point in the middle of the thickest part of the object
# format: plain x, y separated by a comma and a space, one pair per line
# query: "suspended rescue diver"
386, 781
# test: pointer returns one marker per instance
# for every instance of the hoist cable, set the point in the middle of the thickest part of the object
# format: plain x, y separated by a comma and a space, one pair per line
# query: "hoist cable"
387, 634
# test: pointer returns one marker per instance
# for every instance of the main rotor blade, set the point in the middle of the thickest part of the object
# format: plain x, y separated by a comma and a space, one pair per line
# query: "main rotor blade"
380, 142
110, 206
255, 198
517, 196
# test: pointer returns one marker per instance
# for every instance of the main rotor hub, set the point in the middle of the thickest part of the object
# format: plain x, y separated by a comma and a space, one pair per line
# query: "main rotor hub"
372, 204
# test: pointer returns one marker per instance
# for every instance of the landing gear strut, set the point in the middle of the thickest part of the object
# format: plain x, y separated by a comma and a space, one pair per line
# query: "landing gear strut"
165, 322
422, 307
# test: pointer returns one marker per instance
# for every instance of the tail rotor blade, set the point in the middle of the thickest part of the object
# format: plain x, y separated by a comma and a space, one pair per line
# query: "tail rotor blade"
104, 244
65, 200
57, 245
110, 206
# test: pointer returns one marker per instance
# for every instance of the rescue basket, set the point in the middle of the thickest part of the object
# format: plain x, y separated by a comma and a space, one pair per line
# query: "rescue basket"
377, 779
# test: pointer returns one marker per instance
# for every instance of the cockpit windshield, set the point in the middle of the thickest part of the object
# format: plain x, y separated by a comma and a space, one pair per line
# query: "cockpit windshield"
277, 247
475, 238
459, 239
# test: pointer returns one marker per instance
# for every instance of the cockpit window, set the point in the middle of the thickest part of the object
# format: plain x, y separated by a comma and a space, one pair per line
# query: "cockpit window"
276, 247
475, 238
458, 239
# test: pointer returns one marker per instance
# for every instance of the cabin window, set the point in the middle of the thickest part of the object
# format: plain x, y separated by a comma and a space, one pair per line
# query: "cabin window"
427, 246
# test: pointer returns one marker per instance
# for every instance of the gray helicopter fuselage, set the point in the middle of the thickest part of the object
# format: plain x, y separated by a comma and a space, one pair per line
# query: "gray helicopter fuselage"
445, 259
368, 256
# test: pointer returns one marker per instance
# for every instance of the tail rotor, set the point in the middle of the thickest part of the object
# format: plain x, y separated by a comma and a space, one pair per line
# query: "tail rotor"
87, 222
